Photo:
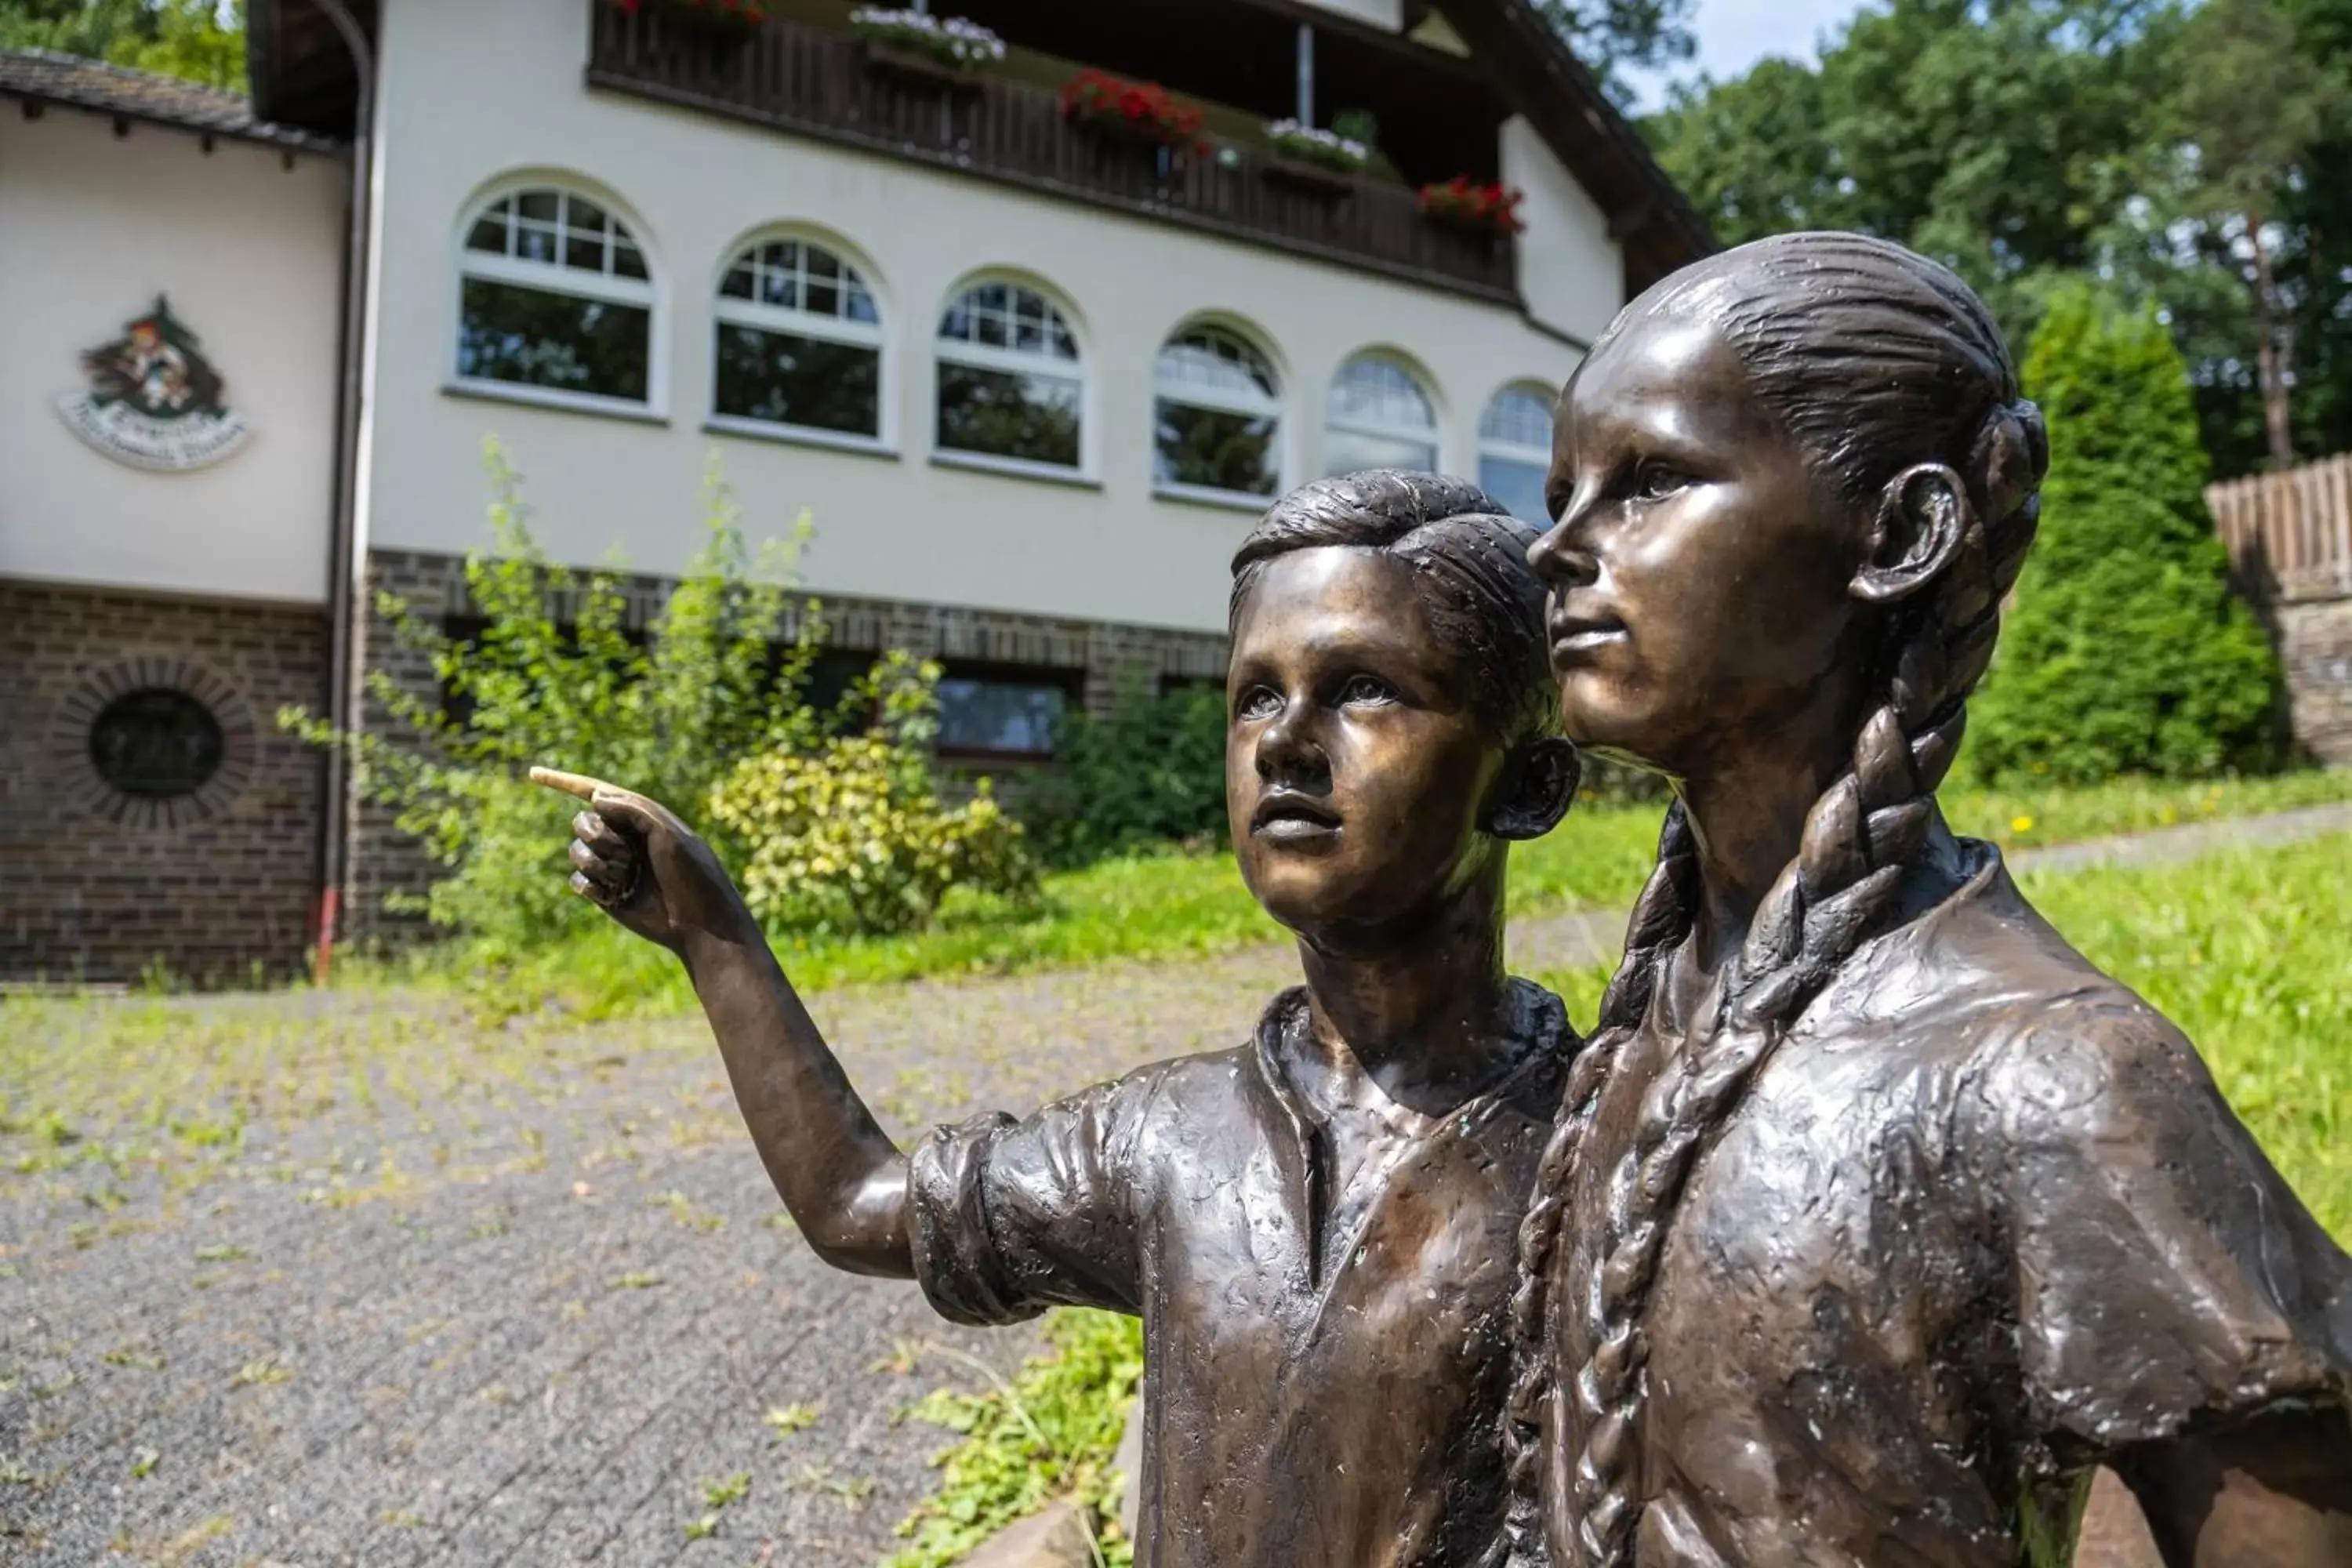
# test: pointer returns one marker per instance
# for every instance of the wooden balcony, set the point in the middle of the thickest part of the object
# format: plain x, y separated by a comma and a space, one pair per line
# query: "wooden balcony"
815, 83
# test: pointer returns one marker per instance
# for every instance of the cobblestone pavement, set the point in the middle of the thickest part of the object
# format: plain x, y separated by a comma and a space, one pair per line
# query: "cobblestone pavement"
521, 1322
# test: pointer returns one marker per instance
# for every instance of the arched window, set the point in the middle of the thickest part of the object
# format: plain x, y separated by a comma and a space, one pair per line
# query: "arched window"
797, 343
1515, 451
553, 294
1011, 385
1216, 417
1379, 417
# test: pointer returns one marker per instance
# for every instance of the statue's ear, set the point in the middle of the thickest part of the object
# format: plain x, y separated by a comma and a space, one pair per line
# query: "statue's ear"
1539, 785
1923, 516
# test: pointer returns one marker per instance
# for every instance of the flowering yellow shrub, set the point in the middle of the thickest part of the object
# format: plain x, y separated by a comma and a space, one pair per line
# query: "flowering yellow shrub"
852, 838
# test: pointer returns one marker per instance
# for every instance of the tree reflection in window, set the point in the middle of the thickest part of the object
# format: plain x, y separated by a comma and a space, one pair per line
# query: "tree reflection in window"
1010, 381
984, 716
799, 342
554, 293
1216, 417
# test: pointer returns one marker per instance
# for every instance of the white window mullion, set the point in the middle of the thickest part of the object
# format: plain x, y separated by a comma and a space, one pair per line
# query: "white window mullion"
982, 356
797, 323
558, 279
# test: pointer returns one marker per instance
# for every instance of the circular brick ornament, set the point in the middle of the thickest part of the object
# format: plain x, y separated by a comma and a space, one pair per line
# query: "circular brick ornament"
117, 694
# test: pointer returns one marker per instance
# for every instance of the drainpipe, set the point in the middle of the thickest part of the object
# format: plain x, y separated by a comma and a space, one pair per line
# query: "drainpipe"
333, 838
1306, 74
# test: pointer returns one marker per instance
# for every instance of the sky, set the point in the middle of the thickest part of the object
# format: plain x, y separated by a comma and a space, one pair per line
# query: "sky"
1733, 35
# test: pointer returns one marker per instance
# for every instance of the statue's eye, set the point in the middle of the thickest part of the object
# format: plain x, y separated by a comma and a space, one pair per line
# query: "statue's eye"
1364, 689
1258, 702
1654, 480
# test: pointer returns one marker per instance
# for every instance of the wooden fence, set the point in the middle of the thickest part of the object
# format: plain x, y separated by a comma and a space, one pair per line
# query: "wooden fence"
2290, 534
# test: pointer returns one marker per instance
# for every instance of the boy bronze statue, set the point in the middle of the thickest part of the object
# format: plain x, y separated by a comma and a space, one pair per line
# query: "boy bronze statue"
1317, 1228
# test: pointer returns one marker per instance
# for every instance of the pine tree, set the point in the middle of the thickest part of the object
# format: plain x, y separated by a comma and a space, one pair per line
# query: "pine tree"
2126, 650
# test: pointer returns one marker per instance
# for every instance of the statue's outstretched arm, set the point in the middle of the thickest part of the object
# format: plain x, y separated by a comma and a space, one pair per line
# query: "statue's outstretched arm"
837, 1171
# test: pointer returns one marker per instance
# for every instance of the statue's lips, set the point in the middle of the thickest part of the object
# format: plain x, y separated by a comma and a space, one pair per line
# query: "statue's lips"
1286, 817
1575, 635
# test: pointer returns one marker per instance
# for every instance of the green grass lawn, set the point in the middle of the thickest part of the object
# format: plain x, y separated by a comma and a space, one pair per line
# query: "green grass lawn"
1158, 906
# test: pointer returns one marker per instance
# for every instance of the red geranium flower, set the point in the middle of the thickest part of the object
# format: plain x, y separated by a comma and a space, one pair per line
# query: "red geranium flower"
1477, 206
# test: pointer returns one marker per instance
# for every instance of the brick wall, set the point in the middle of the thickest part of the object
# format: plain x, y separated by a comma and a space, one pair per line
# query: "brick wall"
2315, 643
385, 862
99, 885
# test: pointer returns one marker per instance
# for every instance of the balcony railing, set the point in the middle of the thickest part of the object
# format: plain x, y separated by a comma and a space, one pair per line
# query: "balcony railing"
819, 84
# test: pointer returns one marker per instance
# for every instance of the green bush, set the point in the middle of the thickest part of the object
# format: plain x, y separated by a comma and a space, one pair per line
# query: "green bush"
2126, 650
851, 839
1151, 773
723, 675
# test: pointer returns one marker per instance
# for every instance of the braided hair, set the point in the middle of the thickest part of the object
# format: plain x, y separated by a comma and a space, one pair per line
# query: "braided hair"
1875, 360
1469, 558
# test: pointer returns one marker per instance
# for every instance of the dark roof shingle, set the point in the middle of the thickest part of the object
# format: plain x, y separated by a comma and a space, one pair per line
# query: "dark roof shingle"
42, 76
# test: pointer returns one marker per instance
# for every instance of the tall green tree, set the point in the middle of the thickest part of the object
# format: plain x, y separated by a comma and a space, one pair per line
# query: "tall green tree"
2188, 155
2310, 253
198, 41
1609, 36
1999, 136
2126, 650
2247, 117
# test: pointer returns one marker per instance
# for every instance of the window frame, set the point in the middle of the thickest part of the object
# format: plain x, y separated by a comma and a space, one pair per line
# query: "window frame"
1070, 680
556, 277
726, 311
1508, 451
1015, 361
1276, 407
1434, 434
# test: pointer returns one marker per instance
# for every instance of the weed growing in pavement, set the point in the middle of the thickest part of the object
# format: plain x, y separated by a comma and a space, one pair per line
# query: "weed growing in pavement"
786, 1419
1050, 1431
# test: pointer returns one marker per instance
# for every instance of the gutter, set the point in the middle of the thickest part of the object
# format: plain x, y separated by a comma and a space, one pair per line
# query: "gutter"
334, 831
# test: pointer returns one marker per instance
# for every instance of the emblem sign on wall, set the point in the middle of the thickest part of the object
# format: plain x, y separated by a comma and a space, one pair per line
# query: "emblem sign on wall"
153, 400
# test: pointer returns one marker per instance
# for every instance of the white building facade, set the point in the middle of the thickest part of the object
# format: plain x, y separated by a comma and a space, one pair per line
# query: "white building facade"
1030, 382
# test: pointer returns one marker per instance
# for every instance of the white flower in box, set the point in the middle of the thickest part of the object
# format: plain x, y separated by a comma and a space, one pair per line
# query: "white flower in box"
953, 40
1318, 145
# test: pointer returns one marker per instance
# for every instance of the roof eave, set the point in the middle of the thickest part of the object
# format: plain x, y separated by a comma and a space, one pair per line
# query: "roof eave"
1648, 215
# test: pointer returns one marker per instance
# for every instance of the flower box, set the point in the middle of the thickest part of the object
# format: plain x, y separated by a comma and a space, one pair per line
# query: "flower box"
1143, 111
1489, 210
1311, 158
1311, 144
727, 19
915, 66
921, 47
1315, 179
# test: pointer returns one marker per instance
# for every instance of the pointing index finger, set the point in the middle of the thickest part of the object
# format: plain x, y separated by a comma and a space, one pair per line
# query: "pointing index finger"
579, 785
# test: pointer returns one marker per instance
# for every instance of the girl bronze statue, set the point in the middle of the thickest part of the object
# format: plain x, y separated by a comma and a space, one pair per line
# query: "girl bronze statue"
1315, 1227
1874, 1218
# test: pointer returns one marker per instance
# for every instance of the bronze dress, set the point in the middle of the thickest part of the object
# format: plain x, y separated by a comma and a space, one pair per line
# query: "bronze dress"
1325, 1289
1981, 1221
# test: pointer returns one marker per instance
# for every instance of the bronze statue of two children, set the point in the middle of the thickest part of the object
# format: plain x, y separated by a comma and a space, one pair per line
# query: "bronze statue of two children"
1870, 1219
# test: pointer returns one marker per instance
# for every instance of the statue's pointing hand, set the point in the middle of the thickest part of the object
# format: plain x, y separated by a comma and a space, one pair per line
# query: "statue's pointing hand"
633, 858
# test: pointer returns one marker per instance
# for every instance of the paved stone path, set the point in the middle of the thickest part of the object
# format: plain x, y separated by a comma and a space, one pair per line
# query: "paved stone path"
524, 1325
523, 1315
